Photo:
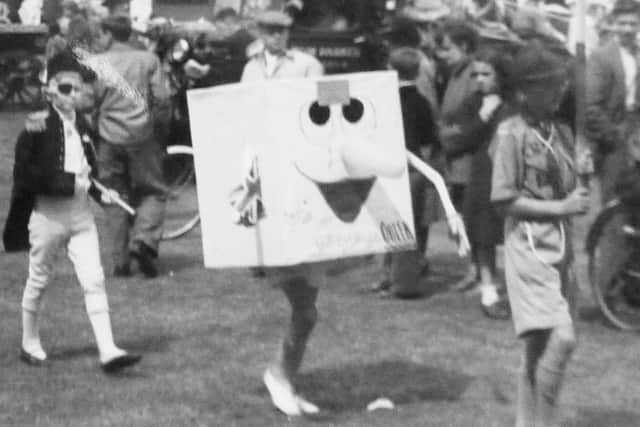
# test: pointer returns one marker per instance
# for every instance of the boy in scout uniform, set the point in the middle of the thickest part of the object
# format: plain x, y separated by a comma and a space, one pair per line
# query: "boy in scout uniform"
534, 185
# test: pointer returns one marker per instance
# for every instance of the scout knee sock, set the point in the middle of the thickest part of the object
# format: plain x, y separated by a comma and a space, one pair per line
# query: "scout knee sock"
98, 311
488, 294
549, 376
526, 404
31, 305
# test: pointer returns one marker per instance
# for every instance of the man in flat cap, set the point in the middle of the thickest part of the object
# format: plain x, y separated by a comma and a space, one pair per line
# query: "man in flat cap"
299, 283
274, 59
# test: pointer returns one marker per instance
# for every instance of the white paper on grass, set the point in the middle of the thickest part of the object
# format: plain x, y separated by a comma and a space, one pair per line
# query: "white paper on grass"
314, 209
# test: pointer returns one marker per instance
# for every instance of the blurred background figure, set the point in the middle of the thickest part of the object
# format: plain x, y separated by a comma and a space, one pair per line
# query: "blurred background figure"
403, 269
530, 19
30, 12
403, 33
613, 113
484, 226
118, 7
459, 124
337, 15
129, 154
597, 11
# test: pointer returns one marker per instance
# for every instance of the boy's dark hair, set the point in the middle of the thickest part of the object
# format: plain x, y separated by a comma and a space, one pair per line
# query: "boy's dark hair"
533, 64
626, 7
66, 60
404, 32
111, 4
460, 33
406, 61
118, 26
54, 28
61, 62
500, 61
226, 12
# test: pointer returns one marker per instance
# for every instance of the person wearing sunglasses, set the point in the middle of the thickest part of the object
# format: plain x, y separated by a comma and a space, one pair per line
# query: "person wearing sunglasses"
50, 213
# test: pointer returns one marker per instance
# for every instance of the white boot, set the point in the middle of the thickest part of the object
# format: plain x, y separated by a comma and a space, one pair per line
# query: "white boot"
285, 399
101, 324
31, 335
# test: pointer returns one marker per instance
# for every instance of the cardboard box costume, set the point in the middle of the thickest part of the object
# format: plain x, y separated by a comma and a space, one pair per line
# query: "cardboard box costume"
301, 170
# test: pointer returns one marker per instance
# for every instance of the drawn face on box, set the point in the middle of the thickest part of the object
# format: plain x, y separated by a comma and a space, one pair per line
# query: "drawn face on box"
301, 170
341, 152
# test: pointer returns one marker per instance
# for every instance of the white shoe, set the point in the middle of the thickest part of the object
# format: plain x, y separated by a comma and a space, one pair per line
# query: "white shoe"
307, 407
285, 399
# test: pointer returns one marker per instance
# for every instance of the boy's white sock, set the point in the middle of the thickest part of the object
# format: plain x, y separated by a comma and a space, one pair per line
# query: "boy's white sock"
31, 334
101, 324
488, 294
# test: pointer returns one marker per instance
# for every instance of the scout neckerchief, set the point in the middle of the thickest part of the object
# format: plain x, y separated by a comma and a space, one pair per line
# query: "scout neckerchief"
555, 177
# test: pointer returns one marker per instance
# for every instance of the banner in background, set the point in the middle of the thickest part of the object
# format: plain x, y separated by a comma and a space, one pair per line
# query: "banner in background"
303, 170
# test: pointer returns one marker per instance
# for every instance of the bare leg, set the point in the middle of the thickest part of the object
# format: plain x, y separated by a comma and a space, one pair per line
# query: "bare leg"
534, 346
302, 299
280, 376
471, 278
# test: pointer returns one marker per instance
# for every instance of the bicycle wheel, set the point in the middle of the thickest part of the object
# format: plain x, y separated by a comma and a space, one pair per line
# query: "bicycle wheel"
182, 201
613, 250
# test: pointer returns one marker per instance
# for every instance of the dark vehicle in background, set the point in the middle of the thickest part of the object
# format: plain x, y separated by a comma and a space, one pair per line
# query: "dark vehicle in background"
21, 61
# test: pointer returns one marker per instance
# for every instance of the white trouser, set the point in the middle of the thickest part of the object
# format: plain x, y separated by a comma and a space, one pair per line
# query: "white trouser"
53, 228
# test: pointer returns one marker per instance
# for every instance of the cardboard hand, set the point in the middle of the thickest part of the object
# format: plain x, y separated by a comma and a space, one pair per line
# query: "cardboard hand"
459, 233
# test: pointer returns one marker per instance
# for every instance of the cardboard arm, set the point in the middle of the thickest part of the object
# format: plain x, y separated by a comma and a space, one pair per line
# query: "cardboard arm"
456, 225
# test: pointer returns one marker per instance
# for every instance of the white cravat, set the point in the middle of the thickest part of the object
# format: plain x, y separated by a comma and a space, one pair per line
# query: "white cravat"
74, 158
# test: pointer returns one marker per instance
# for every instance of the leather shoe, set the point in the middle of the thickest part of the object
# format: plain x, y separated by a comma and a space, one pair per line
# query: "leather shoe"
258, 272
499, 310
122, 271
30, 359
144, 255
118, 363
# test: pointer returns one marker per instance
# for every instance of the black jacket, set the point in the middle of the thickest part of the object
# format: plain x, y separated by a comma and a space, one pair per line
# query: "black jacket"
39, 169
417, 119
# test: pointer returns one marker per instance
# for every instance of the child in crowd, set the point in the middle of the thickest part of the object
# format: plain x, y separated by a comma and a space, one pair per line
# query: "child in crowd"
403, 269
50, 213
490, 70
534, 185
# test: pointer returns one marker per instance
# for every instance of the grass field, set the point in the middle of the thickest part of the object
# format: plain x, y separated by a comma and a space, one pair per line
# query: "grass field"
207, 335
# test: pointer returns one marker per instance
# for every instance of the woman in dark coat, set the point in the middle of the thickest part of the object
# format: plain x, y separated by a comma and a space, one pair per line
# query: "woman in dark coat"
484, 226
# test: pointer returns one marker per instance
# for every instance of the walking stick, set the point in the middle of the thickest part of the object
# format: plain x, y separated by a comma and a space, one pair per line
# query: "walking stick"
584, 153
115, 197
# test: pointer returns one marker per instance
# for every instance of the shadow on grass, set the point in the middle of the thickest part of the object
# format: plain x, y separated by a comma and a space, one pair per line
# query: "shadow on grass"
344, 265
352, 387
148, 344
176, 262
591, 314
594, 417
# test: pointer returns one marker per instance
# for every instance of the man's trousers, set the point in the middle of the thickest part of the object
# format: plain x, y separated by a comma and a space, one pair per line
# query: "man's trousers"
134, 171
